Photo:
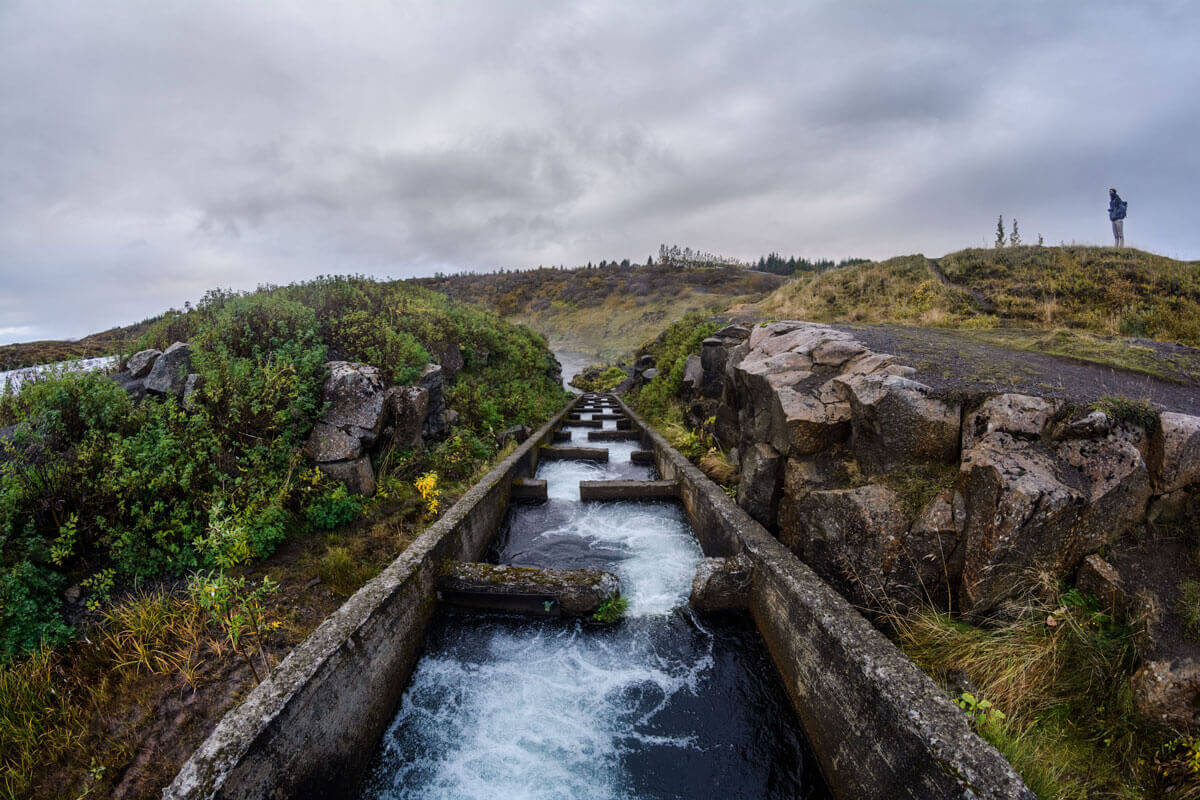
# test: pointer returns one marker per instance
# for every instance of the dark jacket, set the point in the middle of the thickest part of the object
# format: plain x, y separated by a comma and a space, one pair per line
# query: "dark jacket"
1116, 207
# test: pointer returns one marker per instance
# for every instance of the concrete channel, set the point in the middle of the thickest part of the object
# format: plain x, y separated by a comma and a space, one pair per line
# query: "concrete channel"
876, 725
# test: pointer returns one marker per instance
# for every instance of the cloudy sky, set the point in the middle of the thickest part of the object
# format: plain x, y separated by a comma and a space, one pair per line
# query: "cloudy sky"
152, 150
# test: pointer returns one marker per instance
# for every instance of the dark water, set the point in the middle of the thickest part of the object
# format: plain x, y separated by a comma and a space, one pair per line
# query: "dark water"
662, 705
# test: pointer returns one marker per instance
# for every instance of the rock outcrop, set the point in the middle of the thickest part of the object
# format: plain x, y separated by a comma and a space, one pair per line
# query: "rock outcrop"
898, 492
170, 370
362, 412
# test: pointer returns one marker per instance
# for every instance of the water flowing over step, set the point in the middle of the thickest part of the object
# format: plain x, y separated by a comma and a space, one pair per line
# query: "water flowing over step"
661, 705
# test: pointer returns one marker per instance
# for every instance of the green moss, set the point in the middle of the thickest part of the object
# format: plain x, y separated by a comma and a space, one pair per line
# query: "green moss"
1133, 412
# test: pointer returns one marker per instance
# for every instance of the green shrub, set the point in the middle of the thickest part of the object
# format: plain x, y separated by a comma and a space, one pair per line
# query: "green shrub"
611, 610
671, 350
105, 492
332, 509
29, 610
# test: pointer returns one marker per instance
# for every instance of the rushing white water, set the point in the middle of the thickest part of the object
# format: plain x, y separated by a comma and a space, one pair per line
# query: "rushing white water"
546, 709
15, 377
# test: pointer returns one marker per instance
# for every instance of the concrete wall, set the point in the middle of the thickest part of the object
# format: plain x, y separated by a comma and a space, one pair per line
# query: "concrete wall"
880, 728
309, 729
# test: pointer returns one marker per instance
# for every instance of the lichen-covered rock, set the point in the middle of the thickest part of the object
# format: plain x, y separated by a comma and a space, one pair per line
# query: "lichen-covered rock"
1117, 485
693, 374
358, 474
577, 591
409, 408
141, 362
722, 584
356, 399
897, 421
1019, 514
1168, 692
1175, 452
434, 382
170, 370
925, 572
328, 443
761, 480
852, 538
1016, 414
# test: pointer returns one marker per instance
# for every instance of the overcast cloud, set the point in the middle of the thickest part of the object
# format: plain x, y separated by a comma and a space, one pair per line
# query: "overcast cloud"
152, 150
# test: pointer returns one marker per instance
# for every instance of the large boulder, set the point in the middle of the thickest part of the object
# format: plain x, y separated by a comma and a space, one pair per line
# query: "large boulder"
1175, 452
851, 537
1168, 692
898, 421
925, 572
1016, 414
169, 373
329, 443
434, 382
357, 474
761, 481
1117, 485
140, 363
356, 399
1019, 515
409, 409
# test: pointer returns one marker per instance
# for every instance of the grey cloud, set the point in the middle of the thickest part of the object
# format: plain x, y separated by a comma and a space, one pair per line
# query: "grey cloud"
149, 152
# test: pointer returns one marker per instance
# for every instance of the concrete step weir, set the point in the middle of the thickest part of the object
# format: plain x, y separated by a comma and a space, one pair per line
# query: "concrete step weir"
614, 436
534, 591
581, 453
628, 490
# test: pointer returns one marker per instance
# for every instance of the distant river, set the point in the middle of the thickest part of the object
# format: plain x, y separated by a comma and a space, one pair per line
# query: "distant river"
573, 363
15, 377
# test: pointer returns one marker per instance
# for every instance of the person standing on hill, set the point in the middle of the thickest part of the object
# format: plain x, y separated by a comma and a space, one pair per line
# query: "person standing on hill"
1116, 213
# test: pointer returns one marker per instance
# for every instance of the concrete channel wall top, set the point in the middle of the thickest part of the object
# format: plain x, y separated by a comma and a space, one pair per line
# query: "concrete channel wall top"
310, 727
880, 728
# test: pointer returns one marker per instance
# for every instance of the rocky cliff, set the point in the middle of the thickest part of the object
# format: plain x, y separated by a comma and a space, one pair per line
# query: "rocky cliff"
902, 494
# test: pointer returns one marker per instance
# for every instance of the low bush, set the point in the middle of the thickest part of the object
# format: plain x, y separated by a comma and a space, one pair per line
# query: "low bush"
102, 492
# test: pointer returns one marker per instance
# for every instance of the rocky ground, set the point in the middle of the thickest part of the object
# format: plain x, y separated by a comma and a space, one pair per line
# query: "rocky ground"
950, 360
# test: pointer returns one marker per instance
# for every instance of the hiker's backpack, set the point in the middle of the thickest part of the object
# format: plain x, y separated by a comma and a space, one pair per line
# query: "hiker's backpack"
1121, 209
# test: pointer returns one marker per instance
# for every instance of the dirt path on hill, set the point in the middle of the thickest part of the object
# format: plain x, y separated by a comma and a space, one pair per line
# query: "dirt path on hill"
951, 361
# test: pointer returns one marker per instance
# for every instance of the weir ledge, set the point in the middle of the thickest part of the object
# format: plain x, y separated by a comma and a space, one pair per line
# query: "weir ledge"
310, 728
879, 727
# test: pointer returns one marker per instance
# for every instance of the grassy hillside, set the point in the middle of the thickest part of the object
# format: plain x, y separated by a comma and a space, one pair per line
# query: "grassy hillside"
1075, 301
138, 541
105, 343
606, 311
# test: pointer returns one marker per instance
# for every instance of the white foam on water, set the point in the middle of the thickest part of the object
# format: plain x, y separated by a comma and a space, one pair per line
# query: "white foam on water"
547, 712
535, 716
656, 552
14, 378
563, 477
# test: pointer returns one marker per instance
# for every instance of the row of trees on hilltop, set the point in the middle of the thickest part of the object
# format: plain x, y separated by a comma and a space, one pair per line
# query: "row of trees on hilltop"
676, 256
778, 265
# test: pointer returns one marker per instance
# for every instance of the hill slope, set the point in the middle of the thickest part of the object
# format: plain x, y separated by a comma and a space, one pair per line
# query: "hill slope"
1073, 301
605, 312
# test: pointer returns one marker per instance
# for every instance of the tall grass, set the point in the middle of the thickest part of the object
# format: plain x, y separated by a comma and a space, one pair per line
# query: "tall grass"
1059, 671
